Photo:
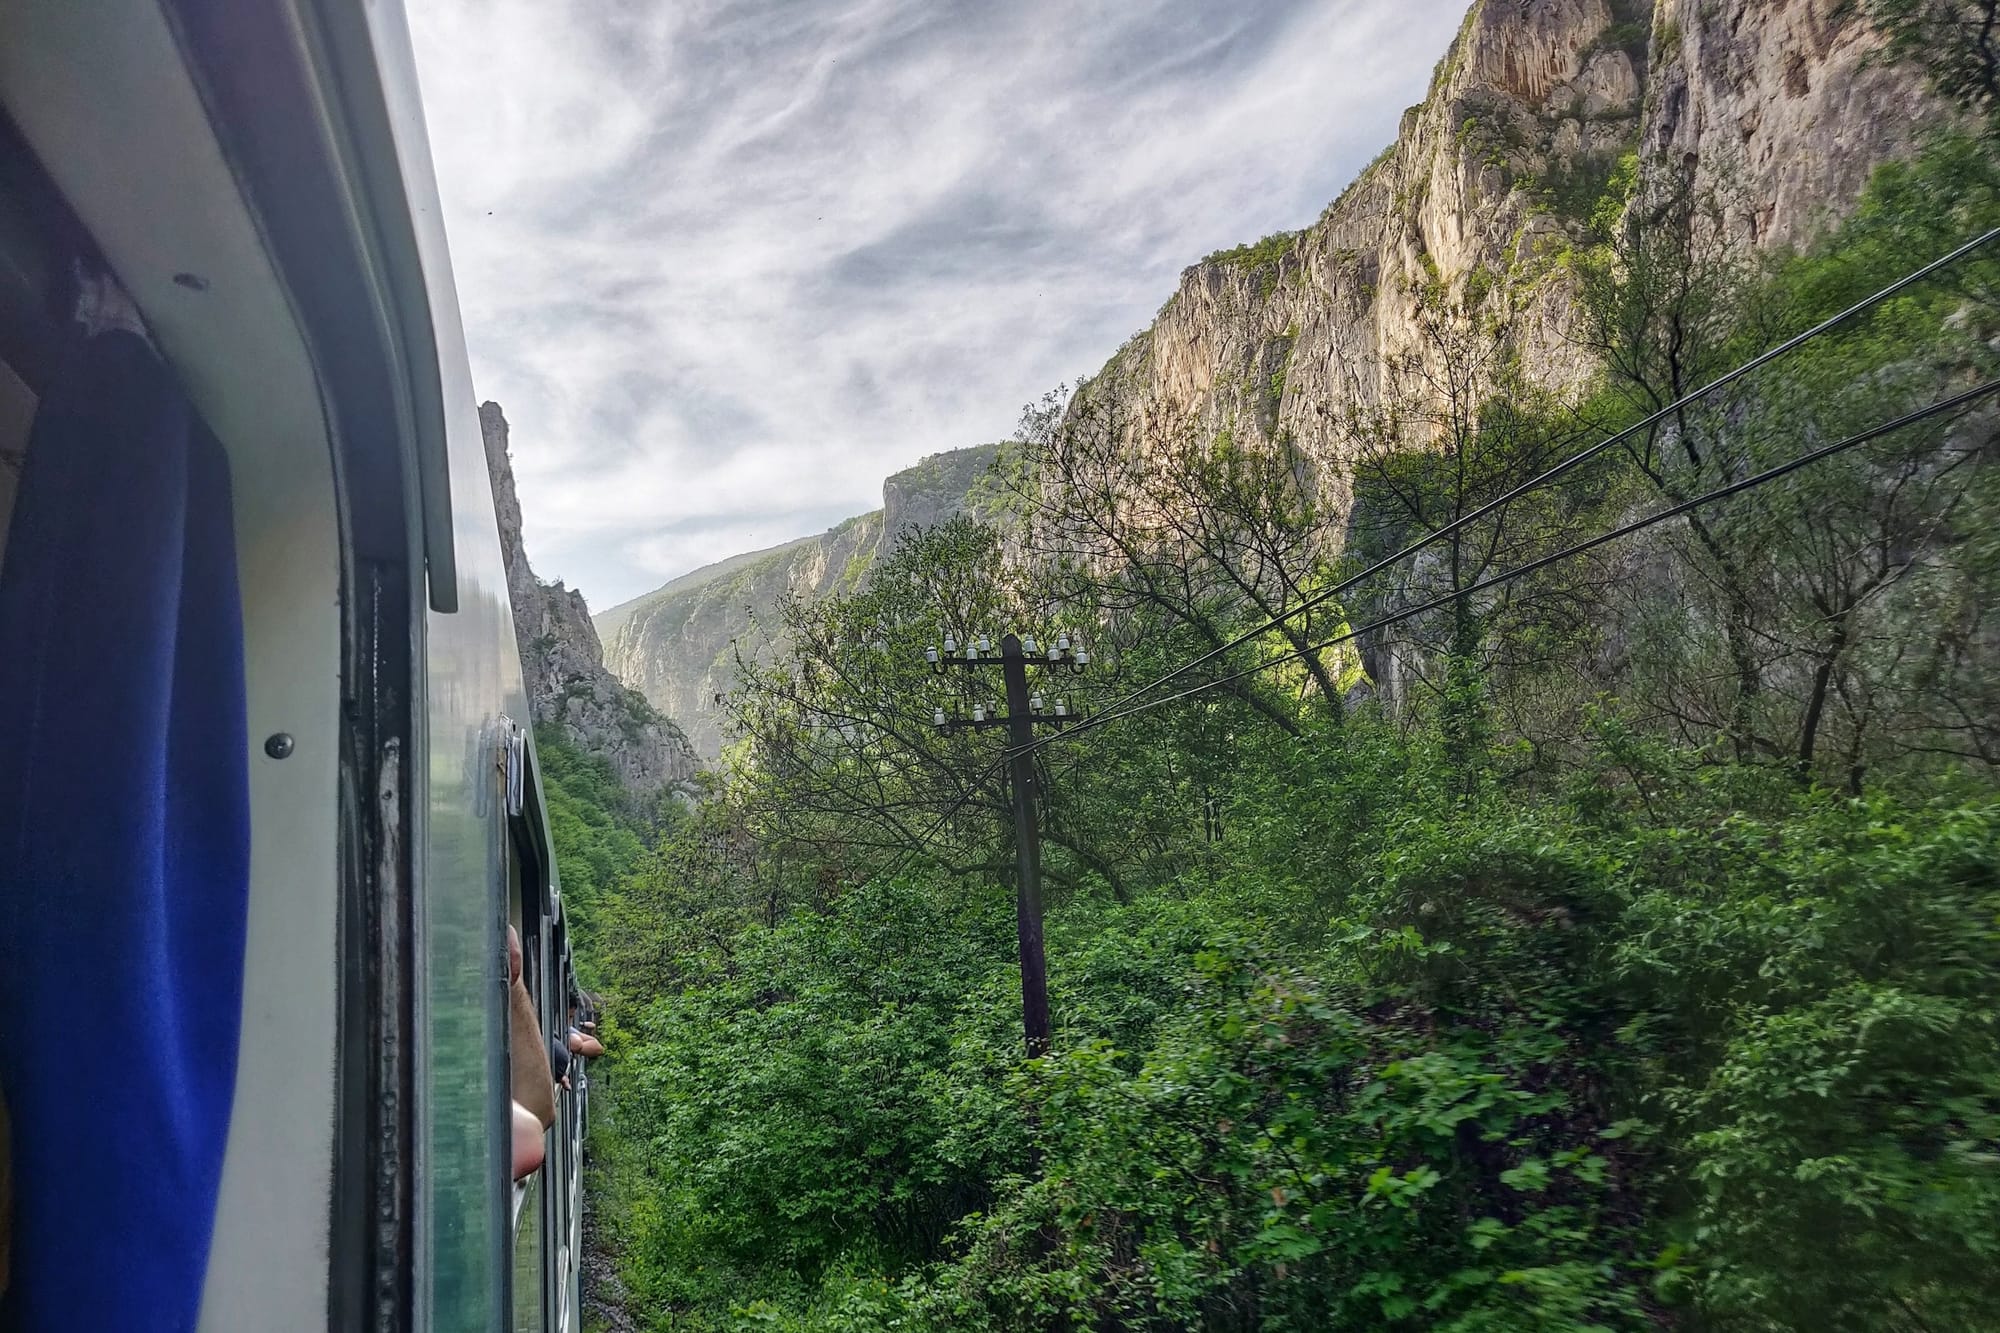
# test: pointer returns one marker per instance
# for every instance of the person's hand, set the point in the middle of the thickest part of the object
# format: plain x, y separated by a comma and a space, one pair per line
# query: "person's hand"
513, 955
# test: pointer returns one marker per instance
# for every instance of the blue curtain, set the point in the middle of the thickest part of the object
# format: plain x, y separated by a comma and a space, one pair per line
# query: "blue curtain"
124, 846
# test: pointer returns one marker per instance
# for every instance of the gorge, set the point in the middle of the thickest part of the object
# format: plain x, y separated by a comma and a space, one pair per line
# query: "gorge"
1530, 854
1542, 111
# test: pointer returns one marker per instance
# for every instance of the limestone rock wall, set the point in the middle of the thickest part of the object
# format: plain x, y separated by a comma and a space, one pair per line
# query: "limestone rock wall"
1777, 104
1780, 106
678, 644
568, 685
934, 490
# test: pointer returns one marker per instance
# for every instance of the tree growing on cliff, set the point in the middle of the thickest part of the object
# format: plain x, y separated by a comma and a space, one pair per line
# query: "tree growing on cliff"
1957, 42
1804, 590
1663, 309
1181, 533
1455, 427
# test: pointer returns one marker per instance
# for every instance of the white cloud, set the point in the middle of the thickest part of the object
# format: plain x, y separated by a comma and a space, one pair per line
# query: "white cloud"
727, 263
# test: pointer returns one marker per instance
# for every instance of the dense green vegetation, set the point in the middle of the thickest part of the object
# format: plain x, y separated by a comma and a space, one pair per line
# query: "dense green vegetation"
1614, 949
1958, 41
1683, 1042
1264, 258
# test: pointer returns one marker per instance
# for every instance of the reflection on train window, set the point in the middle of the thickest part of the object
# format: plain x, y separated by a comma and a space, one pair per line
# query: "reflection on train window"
528, 1259
32, 289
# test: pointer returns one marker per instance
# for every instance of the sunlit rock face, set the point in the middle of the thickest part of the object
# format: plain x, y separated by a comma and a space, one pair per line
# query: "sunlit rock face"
568, 684
1775, 105
679, 644
1780, 108
1783, 108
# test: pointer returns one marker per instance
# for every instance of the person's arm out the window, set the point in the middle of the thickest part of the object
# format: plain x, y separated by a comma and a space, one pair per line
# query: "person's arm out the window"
529, 1146
532, 1086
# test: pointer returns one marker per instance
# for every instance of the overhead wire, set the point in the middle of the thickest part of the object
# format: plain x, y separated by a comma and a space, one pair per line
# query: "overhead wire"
1127, 705
937, 826
1535, 566
1567, 465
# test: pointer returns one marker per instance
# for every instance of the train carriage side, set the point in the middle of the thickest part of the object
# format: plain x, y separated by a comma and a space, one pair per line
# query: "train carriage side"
248, 191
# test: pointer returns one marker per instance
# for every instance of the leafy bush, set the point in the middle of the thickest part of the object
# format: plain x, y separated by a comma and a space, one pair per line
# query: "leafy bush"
1290, 1155
1680, 1048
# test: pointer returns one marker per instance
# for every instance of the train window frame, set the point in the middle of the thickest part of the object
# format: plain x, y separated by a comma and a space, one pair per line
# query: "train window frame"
133, 154
257, 179
536, 1213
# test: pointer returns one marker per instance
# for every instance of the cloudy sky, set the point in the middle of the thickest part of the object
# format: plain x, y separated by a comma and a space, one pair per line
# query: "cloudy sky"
728, 263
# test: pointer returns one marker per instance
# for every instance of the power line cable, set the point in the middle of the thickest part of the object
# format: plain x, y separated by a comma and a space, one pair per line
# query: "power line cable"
1566, 466
1534, 566
924, 838
1720, 493
1124, 706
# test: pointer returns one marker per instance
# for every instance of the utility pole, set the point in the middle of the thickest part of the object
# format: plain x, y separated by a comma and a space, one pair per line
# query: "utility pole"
1024, 714
1027, 850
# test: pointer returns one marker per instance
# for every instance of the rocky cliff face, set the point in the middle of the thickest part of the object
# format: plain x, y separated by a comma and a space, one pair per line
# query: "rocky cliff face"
1773, 104
1776, 106
1779, 106
568, 684
678, 644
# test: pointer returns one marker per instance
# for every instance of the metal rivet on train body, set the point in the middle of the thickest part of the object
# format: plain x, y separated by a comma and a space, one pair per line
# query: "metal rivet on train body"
278, 745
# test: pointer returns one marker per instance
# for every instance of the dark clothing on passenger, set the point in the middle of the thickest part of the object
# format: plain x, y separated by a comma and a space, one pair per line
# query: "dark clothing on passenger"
558, 1060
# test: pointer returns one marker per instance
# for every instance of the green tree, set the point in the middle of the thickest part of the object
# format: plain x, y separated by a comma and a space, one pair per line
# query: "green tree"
1454, 426
1956, 41
1164, 525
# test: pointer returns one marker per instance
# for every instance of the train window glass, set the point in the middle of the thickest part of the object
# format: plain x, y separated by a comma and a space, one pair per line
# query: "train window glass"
528, 1263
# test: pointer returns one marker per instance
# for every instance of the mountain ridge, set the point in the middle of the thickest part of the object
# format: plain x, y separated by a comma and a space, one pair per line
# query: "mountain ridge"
1780, 111
569, 687
677, 644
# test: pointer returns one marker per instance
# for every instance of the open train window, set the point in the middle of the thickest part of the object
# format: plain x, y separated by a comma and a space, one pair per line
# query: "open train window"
546, 1203
124, 766
530, 909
